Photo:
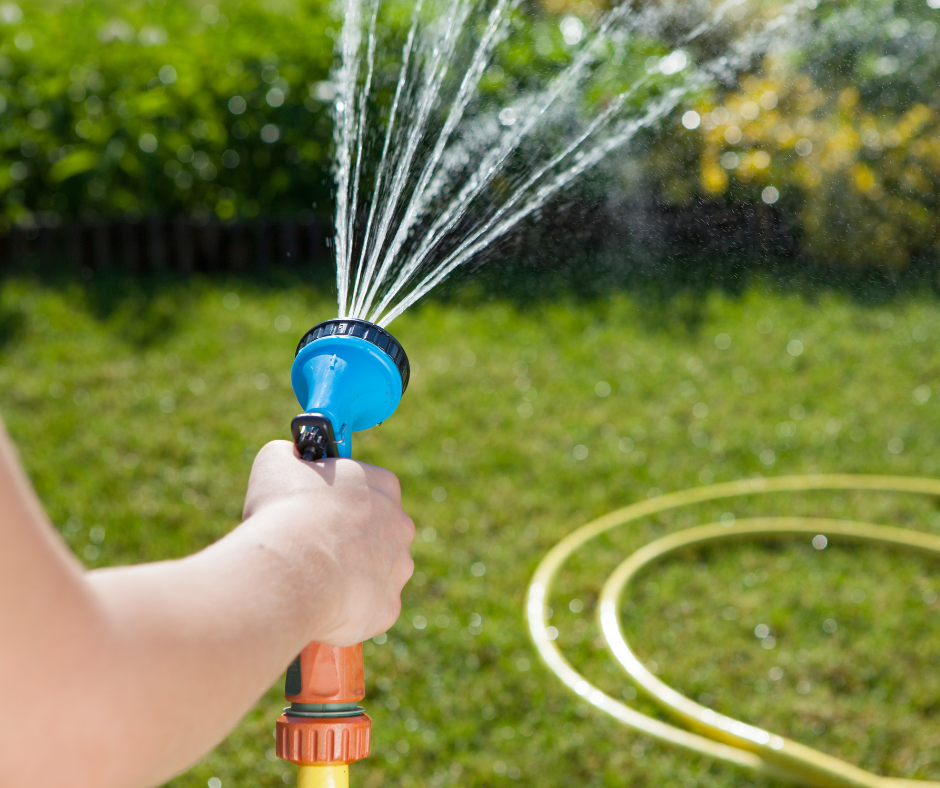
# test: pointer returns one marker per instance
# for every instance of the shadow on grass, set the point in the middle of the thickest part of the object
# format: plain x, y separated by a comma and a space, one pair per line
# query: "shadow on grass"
12, 321
147, 309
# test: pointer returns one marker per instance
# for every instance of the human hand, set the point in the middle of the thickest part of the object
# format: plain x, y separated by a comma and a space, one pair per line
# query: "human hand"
340, 529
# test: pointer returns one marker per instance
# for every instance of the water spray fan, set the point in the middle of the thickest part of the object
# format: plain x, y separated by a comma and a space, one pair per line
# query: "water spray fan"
349, 375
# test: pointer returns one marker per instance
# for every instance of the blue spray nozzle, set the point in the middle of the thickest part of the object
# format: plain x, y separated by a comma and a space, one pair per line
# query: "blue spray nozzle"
353, 373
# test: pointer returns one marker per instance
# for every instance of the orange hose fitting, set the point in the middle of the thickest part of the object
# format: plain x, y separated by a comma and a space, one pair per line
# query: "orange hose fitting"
323, 723
328, 674
310, 740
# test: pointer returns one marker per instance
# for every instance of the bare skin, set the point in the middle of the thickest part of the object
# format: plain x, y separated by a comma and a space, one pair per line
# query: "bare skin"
123, 677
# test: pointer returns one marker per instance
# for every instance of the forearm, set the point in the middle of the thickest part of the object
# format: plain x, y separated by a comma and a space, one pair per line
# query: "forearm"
194, 643
136, 672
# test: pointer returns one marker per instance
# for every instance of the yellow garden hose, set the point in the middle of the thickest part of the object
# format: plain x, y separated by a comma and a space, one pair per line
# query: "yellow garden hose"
323, 776
716, 735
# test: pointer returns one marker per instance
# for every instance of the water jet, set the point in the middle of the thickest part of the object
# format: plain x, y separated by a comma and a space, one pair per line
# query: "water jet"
420, 197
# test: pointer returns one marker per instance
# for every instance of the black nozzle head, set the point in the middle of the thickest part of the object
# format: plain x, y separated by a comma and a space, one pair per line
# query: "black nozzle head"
370, 332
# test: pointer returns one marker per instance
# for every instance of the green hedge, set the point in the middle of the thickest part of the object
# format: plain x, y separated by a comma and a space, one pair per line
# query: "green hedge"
842, 134
170, 106
121, 107
114, 108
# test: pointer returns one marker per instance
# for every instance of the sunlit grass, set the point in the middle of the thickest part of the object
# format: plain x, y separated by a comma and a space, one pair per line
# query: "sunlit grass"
137, 416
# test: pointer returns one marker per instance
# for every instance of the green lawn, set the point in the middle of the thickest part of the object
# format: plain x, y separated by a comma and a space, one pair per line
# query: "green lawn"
138, 409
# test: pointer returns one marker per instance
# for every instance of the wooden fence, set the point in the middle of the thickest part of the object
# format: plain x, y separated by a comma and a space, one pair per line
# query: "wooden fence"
186, 244
153, 244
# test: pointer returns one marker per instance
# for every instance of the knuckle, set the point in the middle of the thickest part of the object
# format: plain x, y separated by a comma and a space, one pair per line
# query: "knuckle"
389, 483
278, 448
273, 452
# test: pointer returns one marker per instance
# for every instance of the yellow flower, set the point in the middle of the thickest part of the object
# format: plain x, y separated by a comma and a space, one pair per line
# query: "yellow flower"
713, 178
864, 179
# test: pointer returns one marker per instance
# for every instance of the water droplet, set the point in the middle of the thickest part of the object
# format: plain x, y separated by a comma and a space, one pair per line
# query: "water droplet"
674, 62
572, 30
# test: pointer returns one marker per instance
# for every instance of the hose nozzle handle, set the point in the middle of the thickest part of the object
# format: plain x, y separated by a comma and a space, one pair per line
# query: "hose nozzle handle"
324, 725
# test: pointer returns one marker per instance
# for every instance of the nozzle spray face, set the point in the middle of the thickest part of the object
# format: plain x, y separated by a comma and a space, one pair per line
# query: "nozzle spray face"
351, 373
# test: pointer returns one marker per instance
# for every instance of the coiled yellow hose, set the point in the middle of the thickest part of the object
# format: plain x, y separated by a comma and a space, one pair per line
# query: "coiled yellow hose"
716, 735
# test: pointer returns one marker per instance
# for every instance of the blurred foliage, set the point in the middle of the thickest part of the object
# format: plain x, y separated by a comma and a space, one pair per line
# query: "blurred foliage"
171, 105
846, 135
163, 106
141, 107
867, 182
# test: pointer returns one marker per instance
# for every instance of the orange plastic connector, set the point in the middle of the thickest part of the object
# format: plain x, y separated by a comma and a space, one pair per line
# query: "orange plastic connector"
328, 675
306, 740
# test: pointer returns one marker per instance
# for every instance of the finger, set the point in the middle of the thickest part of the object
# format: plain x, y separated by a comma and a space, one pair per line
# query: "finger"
272, 454
408, 569
407, 529
398, 576
392, 615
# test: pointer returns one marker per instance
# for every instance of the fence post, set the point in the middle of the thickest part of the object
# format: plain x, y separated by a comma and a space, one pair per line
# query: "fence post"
101, 245
287, 241
210, 246
17, 245
155, 243
318, 232
130, 249
183, 237
75, 245
239, 247
47, 246
262, 244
